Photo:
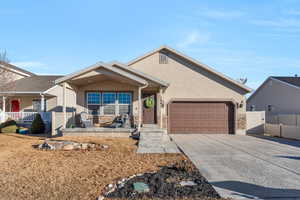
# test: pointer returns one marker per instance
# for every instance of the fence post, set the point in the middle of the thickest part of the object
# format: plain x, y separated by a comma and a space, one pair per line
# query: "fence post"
280, 130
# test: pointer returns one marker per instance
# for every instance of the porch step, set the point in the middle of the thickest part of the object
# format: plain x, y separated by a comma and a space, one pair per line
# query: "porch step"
150, 126
155, 140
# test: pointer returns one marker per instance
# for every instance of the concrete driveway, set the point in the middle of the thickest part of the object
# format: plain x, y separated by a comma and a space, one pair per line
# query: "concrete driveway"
246, 167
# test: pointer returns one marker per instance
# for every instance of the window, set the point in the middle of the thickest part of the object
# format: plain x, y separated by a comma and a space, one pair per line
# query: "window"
109, 103
94, 102
163, 59
270, 108
124, 99
36, 105
94, 98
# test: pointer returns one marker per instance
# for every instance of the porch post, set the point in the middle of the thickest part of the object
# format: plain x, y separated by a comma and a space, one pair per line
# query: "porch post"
3, 109
140, 109
3, 104
140, 106
64, 105
161, 106
42, 103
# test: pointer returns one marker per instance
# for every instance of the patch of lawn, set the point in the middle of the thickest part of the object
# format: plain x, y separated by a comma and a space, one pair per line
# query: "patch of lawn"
28, 173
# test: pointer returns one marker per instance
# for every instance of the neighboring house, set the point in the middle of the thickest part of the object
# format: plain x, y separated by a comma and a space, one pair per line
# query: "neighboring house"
28, 92
189, 97
276, 95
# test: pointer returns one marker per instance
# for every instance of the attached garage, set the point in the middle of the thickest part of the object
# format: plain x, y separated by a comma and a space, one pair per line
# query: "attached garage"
201, 117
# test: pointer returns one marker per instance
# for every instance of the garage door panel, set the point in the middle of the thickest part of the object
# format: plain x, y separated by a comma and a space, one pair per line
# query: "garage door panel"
200, 117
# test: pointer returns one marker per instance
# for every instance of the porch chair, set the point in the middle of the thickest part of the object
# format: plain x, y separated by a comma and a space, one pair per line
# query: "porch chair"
85, 121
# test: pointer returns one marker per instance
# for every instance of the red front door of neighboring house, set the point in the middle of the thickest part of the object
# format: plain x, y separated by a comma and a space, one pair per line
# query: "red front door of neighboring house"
15, 106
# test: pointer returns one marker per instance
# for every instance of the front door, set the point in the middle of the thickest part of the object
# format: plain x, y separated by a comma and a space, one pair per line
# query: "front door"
149, 112
15, 106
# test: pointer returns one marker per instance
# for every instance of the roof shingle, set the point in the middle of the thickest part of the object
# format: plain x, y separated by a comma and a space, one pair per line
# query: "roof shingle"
32, 84
293, 80
10, 66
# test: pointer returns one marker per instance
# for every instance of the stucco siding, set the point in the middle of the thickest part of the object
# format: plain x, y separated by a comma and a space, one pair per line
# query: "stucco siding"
190, 81
282, 97
55, 103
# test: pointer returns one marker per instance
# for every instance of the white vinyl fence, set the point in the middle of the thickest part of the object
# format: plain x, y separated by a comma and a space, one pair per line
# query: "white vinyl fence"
255, 122
24, 117
284, 125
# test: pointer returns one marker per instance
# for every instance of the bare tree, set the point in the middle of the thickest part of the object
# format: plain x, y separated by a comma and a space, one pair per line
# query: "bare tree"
4, 57
7, 81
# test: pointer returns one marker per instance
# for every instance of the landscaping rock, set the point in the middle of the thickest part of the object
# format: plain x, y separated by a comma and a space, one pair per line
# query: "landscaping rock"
170, 182
68, 147
46, 146
141, 187
103, 146
187, 183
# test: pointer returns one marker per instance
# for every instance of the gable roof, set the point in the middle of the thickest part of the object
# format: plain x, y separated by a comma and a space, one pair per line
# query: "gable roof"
197, 63
32, 84
286, 80
16, 69
105, 66
289, 79
142, 74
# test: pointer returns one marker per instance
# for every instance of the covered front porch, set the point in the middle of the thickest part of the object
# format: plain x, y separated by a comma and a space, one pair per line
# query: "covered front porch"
107, 92
22, 107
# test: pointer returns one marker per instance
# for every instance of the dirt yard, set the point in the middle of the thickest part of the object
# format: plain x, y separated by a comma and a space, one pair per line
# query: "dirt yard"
28, 173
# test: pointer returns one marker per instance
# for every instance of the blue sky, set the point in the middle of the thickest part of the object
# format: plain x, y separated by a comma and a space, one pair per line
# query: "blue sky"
253, 39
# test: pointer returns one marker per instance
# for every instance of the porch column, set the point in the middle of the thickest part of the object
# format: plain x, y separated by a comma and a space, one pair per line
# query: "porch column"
140, 109
2, 118
3, 104
64, 105
161, 106
42, 103
140, 106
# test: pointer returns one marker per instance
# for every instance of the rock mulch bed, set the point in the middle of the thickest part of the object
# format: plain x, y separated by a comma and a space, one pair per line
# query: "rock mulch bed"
181, 180
69, 145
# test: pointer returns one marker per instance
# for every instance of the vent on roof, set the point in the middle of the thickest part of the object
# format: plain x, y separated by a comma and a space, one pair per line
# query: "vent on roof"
163, 59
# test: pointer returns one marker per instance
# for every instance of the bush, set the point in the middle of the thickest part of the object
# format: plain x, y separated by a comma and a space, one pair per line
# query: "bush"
37, 125
8, 122
9, 126
9, 129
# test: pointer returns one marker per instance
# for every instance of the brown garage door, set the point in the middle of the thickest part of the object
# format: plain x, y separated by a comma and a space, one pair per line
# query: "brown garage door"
201, 117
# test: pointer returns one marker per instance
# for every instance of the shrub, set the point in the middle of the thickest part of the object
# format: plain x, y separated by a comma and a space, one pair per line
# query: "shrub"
9, 129
37, 125
9, 126
8, 122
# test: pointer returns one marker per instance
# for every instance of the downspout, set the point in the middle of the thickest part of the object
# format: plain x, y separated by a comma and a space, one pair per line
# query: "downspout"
140, 106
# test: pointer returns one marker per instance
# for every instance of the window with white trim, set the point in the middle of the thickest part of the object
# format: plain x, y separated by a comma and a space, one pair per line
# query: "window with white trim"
109, 103
94, 102
124, 102
37, 105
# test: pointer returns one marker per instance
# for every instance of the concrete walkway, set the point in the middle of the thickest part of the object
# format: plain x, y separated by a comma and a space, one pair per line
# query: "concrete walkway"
246, 167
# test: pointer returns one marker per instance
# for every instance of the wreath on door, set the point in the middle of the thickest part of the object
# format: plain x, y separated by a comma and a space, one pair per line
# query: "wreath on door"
149, 102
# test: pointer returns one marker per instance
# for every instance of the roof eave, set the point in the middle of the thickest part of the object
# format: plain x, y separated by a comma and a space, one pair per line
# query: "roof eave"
106, 66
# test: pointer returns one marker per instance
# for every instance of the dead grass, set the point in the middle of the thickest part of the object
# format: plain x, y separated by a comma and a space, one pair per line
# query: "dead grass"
27, 173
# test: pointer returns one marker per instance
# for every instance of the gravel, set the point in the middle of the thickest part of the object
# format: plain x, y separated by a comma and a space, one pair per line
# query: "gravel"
167, 184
